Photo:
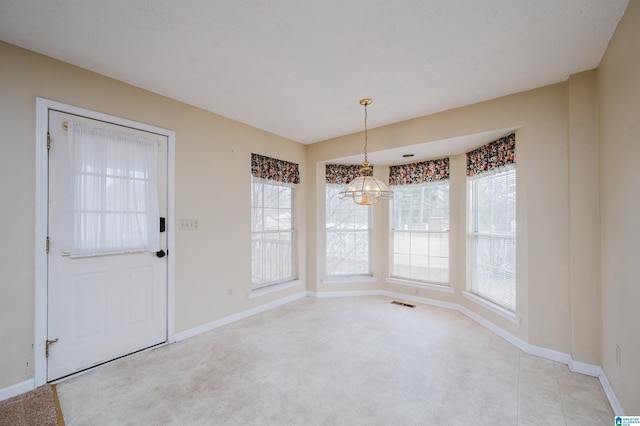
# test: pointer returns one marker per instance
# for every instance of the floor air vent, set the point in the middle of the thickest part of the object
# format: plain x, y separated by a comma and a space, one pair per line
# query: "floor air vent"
408, 305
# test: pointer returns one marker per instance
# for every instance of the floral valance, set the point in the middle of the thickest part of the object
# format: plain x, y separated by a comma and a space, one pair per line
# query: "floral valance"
274, 169
342, 173
421, 172
492, 155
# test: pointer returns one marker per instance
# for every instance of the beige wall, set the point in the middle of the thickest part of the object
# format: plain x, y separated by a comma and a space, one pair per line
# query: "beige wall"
584, 218
619, 130
543, 300
572, 137
212, 184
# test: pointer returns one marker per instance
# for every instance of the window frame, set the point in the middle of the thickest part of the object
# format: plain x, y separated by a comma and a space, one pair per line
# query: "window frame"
114, 191
393, 271
507, 303
336, 188
293, 275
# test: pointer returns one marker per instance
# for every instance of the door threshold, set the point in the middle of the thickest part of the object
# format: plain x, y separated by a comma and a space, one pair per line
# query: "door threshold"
93, 367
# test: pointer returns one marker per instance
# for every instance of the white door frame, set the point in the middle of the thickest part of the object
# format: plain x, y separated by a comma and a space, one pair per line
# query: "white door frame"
42, 200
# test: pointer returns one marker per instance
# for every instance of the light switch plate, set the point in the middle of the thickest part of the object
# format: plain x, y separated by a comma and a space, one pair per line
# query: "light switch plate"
189, 224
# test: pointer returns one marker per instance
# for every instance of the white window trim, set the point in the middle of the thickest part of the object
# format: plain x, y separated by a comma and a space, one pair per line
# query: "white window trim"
274, 288
445, 288
344, 279
496, 309
293, 231
471, 234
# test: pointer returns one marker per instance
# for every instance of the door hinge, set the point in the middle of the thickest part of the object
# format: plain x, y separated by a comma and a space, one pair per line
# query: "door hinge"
48, 141
48, 244
46, 350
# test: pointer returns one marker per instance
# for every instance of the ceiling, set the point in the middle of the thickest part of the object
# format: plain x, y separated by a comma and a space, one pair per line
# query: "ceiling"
298, 68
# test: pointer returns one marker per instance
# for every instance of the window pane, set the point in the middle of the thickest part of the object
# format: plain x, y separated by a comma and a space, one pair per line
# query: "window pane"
272, 233
360, 217
347, 235
271, 195
284, 197
271, 219
284, 219
256, 194
492, 262
420, 226
257, 222
114, 192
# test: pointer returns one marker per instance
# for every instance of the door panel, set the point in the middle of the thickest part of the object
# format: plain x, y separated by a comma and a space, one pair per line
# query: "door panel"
99, 307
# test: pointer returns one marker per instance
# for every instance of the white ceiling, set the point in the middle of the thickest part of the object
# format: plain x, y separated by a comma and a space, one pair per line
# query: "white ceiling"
298, 68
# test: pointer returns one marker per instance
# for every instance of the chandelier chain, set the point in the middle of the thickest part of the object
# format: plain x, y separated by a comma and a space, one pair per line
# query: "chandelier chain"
366, 189
366, 138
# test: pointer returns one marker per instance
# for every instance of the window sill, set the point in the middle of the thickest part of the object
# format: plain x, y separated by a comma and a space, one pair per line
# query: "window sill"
499, 310
349, 279
427, 286
273, 288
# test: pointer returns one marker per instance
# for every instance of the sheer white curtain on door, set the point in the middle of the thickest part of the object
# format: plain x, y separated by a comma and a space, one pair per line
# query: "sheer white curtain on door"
114, 192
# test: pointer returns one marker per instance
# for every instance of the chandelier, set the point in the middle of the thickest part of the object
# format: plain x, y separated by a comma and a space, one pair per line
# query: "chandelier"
366, 190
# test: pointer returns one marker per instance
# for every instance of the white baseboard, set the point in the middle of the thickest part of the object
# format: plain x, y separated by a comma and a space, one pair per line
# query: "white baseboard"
352, 293
514, 340
613, 399
419, 299
17, 389
597, 371
550, 354
586, 369
235, 317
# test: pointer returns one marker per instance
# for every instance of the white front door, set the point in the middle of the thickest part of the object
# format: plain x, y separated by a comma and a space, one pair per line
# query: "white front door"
99, 307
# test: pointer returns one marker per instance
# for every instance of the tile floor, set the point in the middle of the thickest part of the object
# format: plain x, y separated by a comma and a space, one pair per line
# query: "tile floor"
342, 361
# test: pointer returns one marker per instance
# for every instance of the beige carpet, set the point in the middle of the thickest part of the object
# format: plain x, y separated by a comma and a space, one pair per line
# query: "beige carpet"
38, 407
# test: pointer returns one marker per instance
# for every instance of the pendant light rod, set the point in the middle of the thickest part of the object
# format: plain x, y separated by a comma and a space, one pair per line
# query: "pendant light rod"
366, 102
